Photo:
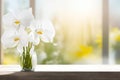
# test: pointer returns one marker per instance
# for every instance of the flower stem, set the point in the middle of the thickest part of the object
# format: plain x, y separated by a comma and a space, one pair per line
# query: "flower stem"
26, 61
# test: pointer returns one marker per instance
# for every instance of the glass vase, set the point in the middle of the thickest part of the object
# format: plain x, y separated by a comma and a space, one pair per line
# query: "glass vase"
28, 59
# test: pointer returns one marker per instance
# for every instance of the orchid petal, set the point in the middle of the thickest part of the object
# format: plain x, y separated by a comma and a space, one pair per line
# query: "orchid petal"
36, 40
20, 48
49, 31
8, 38
45, 38
8, 19
23, 37
26, 17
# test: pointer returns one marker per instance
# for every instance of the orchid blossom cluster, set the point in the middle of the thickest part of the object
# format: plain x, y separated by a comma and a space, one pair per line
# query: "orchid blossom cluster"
23, 28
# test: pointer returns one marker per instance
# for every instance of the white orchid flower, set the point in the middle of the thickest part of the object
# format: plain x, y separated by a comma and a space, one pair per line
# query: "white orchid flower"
41, 30
17, 18
15, 38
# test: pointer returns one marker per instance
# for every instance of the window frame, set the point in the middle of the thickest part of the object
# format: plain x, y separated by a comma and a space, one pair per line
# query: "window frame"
32, 5
105, 29
0, 30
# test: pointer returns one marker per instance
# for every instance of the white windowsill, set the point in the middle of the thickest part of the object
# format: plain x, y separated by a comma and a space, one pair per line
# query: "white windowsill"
65, 68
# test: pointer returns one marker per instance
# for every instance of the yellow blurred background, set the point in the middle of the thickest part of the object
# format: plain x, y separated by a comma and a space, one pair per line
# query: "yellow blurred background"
78, 25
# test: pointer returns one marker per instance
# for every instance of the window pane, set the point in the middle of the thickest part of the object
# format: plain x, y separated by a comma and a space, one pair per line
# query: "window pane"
78, 25
10, 56
114, 31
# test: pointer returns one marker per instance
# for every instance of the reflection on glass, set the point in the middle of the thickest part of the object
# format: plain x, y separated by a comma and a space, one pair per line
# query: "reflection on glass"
114, 32
78, 31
